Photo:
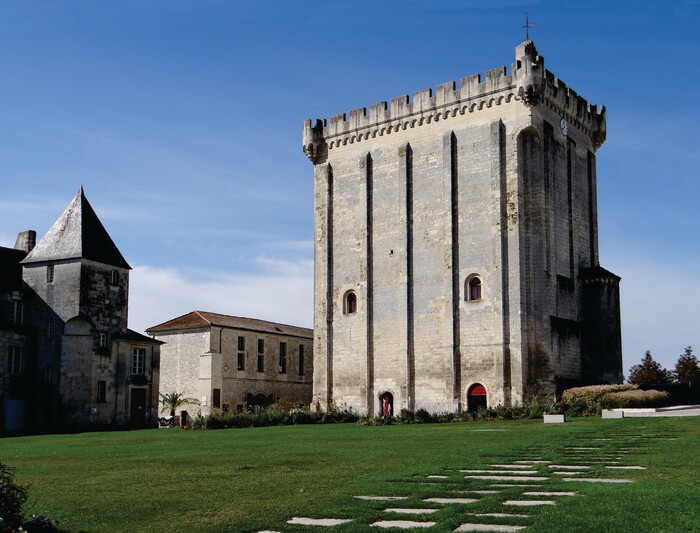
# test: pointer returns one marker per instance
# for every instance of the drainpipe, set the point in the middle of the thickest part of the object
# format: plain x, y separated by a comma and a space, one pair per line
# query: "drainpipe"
116, 384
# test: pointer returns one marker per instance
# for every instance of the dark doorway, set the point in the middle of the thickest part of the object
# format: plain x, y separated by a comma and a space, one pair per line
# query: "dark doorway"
476, 398
259, 401
137, 417
386, 404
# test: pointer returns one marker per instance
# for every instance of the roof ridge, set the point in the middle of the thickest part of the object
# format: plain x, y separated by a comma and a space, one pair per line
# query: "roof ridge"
250, 318
199, 313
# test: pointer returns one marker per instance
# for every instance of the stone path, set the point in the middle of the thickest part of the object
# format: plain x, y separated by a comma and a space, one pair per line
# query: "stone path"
528, 477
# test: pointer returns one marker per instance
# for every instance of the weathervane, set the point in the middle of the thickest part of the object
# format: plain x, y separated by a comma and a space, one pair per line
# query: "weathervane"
528, 25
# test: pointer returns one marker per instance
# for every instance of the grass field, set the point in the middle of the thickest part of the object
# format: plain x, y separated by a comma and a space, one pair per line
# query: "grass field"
253, 479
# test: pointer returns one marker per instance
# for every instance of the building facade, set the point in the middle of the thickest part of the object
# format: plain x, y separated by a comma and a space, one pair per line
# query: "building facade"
456, 246
70, 361
231, 363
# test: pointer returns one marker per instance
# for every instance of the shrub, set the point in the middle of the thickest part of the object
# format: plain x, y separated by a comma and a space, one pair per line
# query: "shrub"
406, 416
635, 398
13, 496
592, 393
423, 416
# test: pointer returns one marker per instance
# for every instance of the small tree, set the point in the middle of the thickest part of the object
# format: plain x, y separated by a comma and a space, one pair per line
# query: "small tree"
649, 373
687, 369
172, 400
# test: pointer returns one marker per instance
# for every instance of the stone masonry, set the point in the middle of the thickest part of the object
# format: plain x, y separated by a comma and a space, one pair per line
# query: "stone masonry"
456, 246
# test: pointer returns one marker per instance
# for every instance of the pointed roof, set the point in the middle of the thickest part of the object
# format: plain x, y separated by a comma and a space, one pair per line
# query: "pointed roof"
198, 319
78, 233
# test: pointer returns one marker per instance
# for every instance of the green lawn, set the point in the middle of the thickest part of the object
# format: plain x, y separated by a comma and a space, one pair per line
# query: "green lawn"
252, 479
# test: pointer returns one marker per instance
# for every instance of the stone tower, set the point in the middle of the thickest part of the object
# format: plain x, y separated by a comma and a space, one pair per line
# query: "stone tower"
84, 366
456, 246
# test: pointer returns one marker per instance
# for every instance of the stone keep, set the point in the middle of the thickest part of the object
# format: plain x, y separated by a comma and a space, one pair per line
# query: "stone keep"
456, 246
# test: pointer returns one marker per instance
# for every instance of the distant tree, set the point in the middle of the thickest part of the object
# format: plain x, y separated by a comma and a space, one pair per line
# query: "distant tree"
687, 369
172, 400
649, 373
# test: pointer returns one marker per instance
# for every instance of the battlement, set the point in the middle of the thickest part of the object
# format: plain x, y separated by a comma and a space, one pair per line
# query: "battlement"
528, 82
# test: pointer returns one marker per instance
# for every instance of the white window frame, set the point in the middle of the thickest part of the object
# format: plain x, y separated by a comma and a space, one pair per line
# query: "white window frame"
138, 362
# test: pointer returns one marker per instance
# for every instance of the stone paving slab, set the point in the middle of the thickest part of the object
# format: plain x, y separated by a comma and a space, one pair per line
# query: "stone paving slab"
435, 476
569, 467
553, 493
509, 478
529, 503
401, 524
403, 510
567, 473
381, 498
489, 527
513, 485
596, 480
502, 515
450, 500
318, 521
626, 467
518, 472
519, 466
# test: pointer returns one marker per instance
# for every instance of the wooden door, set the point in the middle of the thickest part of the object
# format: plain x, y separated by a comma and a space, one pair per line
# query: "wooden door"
137, 417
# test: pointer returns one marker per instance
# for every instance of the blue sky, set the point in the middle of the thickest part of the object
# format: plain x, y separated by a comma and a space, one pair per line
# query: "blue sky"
182, 120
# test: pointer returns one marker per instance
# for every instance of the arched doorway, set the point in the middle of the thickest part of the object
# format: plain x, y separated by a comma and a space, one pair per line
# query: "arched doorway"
476, 398
259, 401
386, 404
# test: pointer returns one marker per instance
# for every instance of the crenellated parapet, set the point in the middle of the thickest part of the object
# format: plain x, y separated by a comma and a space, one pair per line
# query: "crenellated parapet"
529, 82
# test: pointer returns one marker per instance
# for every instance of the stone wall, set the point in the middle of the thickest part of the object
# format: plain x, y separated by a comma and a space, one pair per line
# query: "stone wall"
196, 362
494, 180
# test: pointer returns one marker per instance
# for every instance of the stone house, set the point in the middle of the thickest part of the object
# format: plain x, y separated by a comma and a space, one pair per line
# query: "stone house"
69, 361
233, 363
456, 246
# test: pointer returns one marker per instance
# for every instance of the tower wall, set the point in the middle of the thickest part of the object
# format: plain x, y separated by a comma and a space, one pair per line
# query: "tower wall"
492, 180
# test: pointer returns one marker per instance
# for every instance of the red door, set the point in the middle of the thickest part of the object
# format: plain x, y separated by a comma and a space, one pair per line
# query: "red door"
387, 401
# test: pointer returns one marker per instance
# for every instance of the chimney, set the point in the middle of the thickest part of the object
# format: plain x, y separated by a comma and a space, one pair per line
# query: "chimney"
26, 240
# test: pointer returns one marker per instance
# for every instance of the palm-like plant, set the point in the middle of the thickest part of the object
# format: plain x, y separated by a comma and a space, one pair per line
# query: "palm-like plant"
172, 400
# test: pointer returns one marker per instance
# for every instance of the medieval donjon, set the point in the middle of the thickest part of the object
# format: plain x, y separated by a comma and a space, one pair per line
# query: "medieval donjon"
456, 246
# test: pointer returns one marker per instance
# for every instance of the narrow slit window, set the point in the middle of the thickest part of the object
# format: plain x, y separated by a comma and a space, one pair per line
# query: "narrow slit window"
474, 289
350, 303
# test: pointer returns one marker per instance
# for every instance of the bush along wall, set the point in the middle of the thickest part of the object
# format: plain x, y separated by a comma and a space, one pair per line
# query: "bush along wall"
585, 404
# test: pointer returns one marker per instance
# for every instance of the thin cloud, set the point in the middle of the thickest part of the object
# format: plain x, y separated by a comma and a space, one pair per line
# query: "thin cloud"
282, 293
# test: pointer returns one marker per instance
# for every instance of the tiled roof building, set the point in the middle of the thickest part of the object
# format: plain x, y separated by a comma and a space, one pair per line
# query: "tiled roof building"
233, 363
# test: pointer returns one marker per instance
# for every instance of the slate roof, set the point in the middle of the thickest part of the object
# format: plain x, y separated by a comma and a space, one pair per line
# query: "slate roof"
134, 336
198, 319
597, 272
77, 233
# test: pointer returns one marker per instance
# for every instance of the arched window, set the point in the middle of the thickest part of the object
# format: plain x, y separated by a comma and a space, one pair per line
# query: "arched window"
350, 303
473, 289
